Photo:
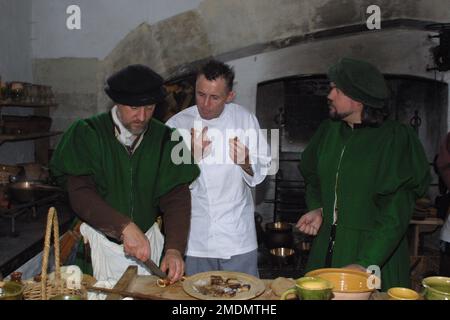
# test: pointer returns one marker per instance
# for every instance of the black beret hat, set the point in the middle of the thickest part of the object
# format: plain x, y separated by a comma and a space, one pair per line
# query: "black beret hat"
360, 81
135, 85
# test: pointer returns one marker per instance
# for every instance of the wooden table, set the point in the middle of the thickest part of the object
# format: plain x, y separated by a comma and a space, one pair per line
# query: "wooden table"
132, 282
146, 285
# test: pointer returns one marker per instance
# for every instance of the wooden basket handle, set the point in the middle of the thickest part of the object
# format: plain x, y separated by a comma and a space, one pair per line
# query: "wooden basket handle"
52, 219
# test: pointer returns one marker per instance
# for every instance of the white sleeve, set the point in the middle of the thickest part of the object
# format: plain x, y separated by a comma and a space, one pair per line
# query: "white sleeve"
260, 156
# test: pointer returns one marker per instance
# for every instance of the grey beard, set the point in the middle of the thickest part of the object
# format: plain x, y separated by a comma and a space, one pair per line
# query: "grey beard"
136, 132
128, 127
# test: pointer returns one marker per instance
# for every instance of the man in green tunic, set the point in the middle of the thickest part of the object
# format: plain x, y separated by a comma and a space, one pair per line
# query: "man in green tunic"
362, 175
118, 171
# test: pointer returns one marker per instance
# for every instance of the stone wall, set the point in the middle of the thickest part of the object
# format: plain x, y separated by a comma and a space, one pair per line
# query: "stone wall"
15, 65
262, 39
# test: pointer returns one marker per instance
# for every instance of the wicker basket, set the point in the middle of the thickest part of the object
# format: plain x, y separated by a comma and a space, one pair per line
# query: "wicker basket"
46, 288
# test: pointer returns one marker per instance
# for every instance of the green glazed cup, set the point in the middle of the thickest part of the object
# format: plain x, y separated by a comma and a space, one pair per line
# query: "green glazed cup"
11, 290
310, 288
436, 288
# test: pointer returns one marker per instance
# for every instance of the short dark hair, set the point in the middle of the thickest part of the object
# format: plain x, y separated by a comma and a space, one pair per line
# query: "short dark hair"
374, 117
214, 69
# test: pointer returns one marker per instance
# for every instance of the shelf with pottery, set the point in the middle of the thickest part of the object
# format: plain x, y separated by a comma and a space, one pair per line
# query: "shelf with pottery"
27, 136
41, 99
10, 103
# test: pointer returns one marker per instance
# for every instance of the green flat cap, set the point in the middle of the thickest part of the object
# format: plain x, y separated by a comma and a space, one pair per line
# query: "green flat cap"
360, 81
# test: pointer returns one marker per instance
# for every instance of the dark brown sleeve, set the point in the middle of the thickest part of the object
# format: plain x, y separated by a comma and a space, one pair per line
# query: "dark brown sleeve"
91, 208
176, 208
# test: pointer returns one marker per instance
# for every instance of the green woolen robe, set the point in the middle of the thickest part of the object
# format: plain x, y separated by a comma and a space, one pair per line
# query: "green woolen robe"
382, 172
131, 184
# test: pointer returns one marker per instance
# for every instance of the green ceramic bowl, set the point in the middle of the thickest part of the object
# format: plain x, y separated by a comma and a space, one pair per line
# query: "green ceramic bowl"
436, 288
311, 288
11, 290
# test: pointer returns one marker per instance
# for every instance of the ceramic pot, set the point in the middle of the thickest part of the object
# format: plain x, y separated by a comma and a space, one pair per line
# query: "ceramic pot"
11, 290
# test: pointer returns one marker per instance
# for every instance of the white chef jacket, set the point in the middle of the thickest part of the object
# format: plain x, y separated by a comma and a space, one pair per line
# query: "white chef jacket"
222, 222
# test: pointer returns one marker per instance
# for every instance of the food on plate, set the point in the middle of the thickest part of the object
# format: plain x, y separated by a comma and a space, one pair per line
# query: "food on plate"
218, 286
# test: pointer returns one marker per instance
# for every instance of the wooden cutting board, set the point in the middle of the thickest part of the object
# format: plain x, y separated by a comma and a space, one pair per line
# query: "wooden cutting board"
132, 282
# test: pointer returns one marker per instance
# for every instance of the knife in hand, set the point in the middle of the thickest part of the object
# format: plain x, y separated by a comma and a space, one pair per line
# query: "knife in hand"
155, 269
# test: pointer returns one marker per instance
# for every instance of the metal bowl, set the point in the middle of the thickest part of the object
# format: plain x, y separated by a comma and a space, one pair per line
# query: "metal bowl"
282, 256
29, 191
279, 235
279, 226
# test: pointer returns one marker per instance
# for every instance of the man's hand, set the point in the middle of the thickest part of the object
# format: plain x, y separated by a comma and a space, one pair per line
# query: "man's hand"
240, 155
135, 243
173, 261
200, 144
310, 222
